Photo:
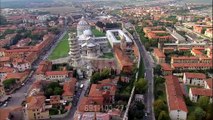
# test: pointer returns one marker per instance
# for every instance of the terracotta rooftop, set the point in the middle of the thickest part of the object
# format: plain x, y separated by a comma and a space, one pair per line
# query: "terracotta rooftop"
185, 58
6, 70
195, 75
4, 59
202, 92
50, 73
166, 67
35, 102
95, 102
180, 65
174, 94
159, 53
209, 83
69, 87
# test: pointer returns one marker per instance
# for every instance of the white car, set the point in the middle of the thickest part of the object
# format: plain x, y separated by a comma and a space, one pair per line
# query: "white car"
5, 104
82, 85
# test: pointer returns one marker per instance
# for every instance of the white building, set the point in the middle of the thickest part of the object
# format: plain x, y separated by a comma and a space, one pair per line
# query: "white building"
82, 26
74, 50
90, 46
194, 79
208, 84
22, 65
56, 75
115, 36
196, 93
176, 104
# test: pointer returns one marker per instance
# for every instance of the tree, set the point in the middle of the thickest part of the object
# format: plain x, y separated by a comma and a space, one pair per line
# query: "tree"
9, 83
49, 92
159, 80
157, 70
209, 113
163, 116
159, 106
199, 113
203, 102
57, 91
53, 111
141, 86
191, 116
95, 77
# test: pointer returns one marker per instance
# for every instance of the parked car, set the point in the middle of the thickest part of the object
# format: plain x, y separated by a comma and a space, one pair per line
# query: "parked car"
5, 104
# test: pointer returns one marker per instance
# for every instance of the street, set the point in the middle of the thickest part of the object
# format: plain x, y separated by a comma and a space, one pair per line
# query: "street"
148, 66
19, 95
76, 100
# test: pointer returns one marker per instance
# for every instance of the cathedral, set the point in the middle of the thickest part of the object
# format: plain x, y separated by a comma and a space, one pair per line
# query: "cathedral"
90, 46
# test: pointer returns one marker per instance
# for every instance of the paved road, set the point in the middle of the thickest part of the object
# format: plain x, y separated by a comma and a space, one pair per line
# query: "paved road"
148, 65
19, 95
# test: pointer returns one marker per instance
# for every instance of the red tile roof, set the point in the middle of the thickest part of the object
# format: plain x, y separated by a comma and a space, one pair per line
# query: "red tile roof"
4, 59
209, 83
166, 67
69, 87
184, 58
90, 104
50, 73
43, 67
35, 102
175, 96
195, 75
187, 65
202, 92
159, 53
7, 70
17, 75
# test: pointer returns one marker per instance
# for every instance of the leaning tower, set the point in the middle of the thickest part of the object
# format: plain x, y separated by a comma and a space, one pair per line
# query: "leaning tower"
74, 50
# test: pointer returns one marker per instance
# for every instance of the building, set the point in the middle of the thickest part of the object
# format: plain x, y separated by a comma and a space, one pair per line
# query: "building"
35, 108
197, 79
208, 84
12, 113
55, 100
82, 26
115, 36
90, 46
209, 32
69, 89
159, 55
74, 50
124, 62
105, 90
56, 75
43, 67
166, 69
196, 93
176, 104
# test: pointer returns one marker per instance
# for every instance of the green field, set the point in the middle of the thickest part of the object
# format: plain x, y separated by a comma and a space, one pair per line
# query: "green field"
61, 50
107, 55
97, 33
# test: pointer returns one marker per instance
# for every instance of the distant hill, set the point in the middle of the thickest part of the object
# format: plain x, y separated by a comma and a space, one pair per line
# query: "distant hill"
20, 3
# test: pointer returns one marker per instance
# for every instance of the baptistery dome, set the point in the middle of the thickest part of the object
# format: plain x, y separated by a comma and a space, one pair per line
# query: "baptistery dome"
82, 26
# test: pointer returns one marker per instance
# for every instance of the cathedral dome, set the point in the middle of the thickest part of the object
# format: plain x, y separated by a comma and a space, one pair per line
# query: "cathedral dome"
82, 26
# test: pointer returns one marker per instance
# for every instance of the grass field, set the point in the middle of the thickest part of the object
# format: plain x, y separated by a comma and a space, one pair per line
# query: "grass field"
61, 50
107, 55
97, 33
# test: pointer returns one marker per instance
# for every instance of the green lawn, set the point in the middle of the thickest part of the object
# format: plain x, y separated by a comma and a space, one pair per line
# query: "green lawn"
97, 33
61, 50
107, 55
